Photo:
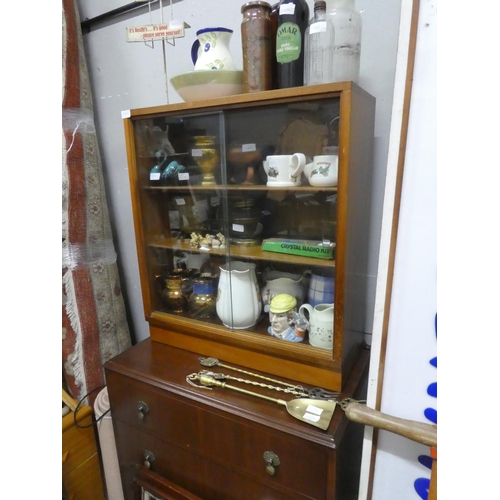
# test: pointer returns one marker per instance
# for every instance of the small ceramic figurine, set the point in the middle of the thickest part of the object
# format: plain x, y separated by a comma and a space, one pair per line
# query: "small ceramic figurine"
282, 316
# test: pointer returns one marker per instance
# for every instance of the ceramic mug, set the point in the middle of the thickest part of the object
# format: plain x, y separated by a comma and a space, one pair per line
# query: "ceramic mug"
284, 170
323, 171
211, 49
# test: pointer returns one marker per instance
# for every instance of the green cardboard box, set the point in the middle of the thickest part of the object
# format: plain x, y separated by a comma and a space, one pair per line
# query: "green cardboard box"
305, 248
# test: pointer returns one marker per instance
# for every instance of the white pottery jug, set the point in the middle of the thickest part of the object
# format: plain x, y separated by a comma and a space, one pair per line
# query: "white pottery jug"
211, 49
320, 324
289, 284
238, 299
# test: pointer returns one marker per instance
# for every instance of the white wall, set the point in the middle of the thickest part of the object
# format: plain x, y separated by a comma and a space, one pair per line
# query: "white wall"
412, 342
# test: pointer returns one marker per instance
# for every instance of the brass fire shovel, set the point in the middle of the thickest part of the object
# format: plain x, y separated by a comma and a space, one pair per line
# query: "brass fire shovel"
317, 412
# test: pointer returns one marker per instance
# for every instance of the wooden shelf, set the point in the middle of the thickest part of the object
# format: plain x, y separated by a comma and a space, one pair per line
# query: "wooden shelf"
243, 188
254, 253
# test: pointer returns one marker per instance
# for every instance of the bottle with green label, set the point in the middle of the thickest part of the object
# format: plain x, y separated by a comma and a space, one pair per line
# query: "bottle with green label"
293, 19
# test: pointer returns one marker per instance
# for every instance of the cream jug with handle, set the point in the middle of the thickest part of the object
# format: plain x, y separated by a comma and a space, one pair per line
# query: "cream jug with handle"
211, 49
320, 320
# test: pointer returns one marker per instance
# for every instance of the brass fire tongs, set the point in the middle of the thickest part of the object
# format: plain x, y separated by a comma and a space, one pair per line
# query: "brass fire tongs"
296, 390
317, 412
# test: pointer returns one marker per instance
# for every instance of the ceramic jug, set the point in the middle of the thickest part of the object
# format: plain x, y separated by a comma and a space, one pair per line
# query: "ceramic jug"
211, 49
320, 320
238, 297
288, 283
190, 260
173, 293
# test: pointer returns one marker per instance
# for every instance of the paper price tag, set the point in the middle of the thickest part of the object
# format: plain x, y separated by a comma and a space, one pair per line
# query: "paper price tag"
288, 8
238, 228
180, 201
154, 177
248, 147
184, 176
314, 409
319, 27
196, 152
175, 23
311, 417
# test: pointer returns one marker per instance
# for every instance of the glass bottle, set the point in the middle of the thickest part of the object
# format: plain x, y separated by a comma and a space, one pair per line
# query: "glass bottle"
293, 18
347, 47
318, 46
257, 46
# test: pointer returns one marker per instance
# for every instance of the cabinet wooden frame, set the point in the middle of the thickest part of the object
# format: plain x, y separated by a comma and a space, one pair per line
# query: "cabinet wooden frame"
304, 363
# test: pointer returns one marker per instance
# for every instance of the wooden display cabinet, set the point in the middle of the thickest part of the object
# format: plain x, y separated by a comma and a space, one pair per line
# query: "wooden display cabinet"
245, 129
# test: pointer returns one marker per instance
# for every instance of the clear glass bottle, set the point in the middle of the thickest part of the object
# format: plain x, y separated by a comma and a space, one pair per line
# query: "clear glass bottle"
318, 47
347, 47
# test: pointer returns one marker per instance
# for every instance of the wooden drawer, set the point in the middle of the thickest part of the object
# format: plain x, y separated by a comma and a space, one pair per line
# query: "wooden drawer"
200, 475
230, 441
174, 420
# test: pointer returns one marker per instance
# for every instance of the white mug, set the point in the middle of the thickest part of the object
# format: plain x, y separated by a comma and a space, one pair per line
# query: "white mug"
284, 170
323, 171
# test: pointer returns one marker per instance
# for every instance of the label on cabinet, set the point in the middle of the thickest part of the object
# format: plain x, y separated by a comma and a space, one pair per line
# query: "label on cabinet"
305, 248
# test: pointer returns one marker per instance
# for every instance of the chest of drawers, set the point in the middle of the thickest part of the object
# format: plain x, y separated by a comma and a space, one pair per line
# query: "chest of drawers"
222, 445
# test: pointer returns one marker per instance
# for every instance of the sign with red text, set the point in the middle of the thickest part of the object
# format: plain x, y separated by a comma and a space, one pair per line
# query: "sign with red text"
150, 32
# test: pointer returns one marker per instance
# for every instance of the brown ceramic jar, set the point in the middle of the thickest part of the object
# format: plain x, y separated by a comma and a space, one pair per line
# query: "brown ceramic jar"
256, 40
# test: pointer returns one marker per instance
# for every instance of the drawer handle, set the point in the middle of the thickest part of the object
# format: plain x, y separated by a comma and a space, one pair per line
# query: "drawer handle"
272, 460
143, 409
149, 458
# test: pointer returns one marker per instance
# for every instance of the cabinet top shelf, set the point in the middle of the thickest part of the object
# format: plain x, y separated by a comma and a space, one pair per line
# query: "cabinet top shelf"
245, 187
250, 99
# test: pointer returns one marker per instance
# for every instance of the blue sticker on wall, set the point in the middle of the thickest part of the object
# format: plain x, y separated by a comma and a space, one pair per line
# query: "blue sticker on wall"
422, 484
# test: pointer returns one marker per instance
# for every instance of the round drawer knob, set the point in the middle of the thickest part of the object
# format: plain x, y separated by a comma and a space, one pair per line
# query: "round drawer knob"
272, 460
149, 458
143, 409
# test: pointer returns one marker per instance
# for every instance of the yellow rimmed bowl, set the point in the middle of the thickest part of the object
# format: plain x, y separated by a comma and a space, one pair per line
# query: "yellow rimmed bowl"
207, 84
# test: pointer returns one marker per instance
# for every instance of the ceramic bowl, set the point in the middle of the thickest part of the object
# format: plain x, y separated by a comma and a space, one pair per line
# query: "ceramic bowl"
207, 84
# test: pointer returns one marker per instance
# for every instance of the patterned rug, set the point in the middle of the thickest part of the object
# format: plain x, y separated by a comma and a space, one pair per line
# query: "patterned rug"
95, 327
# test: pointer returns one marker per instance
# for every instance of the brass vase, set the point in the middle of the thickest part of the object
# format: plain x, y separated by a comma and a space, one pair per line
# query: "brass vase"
205, 152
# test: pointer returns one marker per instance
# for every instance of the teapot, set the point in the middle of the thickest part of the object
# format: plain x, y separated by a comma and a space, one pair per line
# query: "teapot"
211, 49
320, 320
